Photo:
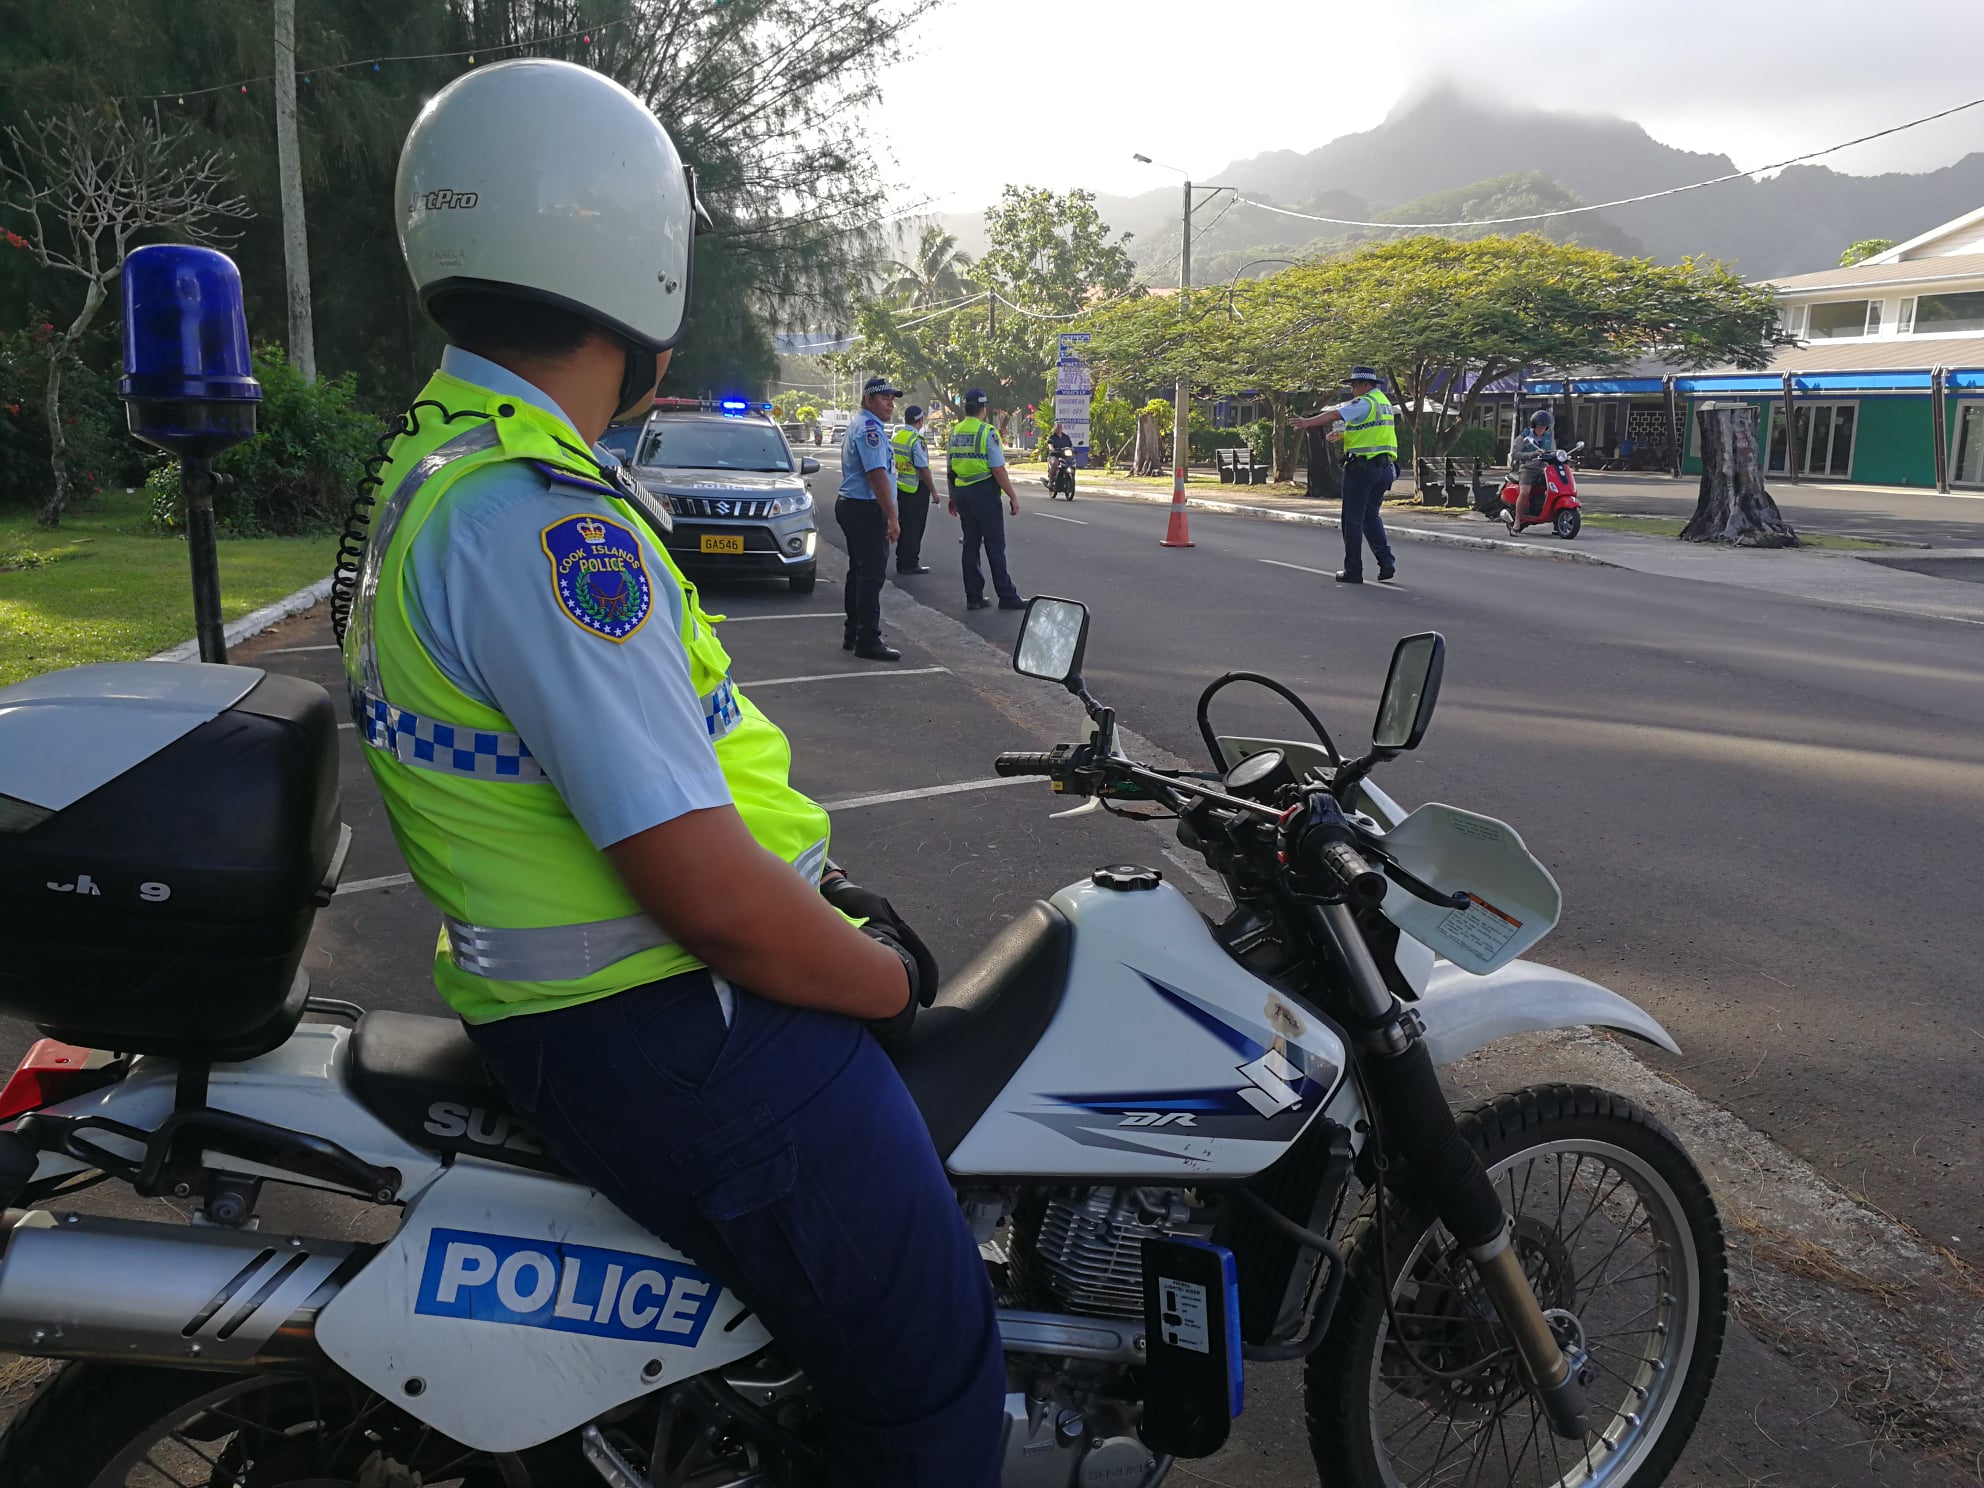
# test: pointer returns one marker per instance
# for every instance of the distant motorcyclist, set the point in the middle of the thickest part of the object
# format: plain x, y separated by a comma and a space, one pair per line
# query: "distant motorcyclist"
1533, 451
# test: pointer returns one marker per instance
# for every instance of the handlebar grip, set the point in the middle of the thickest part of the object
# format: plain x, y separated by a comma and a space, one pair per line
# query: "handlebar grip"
1362, 884
1022, 763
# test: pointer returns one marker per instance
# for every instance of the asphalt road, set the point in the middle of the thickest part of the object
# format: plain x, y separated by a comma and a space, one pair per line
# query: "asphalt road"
1764, 812
1894, 516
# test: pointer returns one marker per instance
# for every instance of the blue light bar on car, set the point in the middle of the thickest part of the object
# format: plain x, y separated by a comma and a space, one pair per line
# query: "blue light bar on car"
734, 405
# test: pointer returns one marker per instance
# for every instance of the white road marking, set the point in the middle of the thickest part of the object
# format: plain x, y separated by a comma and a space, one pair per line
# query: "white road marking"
292, 650
1328, 573
853, 802
843, 676
389, 881
343, 726
1052, 518
810, 615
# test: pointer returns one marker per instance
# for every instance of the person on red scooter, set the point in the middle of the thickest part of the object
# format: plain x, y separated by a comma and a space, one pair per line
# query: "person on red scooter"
1532, 452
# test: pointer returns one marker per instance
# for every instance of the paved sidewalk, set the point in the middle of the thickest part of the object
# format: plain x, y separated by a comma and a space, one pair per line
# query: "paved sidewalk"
1831, 577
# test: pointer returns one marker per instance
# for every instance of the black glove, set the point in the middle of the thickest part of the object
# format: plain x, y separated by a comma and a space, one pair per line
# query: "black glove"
891, 1031
865, 904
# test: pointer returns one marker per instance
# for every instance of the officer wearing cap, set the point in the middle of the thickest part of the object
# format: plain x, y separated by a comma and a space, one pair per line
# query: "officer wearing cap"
641, 933
976, 472
1370, 465
868, 519
915, 493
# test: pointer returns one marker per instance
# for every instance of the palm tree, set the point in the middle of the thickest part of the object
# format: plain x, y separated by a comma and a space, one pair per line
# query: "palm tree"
934, 274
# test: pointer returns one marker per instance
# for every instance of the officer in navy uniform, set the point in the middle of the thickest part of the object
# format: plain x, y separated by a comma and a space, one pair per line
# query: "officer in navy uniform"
868, 518
663, 973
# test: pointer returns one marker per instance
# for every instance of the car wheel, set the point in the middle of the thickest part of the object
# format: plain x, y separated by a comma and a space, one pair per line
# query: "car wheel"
802, 583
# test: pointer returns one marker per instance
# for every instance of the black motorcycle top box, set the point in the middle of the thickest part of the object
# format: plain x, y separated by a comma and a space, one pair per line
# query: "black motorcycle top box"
168, 831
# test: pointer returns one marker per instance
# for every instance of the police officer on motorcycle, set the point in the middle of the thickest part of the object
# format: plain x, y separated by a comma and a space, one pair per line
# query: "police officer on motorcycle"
637, 934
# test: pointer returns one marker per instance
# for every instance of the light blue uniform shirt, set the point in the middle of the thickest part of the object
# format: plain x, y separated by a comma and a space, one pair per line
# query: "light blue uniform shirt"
919, 455
617, 725
865, 448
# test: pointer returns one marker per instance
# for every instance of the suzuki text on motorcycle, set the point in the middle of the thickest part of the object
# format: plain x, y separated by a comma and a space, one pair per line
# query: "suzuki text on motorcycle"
1182, 1143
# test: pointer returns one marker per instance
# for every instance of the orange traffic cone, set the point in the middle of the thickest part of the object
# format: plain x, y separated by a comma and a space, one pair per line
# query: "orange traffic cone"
1177, 534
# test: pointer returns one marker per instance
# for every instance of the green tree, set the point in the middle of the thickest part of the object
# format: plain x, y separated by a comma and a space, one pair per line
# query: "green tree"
935, 272
1048, 257
1864, 249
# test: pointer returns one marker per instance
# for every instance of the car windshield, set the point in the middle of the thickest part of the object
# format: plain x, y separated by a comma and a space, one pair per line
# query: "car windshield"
621, 439
714, 444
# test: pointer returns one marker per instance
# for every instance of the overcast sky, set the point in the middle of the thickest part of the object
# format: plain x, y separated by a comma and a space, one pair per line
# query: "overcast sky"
1061, 92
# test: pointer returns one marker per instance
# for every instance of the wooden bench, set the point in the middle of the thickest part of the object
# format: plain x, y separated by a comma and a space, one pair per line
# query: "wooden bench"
1238, 467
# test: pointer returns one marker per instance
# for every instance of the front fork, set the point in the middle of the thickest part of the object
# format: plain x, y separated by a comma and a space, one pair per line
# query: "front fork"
1416, 1124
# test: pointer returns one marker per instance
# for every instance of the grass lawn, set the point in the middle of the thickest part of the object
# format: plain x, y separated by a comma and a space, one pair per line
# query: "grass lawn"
109, 589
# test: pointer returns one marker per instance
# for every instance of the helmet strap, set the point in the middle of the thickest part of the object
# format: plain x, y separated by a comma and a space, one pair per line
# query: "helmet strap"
637, 380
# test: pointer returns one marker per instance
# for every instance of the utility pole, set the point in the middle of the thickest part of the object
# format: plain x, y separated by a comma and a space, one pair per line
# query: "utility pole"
289, 168
1181, 415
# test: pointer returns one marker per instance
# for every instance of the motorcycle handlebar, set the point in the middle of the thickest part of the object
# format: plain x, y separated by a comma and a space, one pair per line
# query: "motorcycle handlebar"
1020, 762
1363, 885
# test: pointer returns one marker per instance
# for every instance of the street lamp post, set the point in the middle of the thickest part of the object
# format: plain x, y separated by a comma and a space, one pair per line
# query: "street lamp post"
1181, 408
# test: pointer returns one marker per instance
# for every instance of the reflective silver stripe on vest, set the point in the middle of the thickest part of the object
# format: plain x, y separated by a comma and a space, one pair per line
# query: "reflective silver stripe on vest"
565, 953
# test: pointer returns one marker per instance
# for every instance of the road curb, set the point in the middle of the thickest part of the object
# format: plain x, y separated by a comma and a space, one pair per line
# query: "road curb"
1415, 534
254, 622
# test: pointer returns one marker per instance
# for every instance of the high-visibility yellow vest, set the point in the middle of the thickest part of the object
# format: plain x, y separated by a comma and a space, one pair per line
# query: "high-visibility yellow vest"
1375, 433
906, 441
966, 451
533, 915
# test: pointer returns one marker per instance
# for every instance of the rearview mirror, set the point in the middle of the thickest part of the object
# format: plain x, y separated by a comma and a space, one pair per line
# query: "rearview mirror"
808, 465
1411, 689
1052, 638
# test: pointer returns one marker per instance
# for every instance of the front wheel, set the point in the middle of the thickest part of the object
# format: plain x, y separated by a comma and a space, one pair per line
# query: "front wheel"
109, 1426
1614, 1225
1566, 523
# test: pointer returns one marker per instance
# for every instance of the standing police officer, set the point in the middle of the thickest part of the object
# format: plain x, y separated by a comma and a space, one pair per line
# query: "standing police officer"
637, 934
868, 520
976, 471
915, 493
1370, 465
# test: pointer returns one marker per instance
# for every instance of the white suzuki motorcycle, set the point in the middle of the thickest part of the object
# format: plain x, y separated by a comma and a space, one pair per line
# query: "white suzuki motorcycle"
1181, 1143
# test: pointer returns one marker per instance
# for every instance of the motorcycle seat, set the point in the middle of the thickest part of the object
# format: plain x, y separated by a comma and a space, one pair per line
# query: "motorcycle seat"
987, 1018
423, 1078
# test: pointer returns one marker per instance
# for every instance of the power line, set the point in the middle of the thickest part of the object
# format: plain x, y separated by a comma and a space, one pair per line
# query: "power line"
584, 32
1627, 201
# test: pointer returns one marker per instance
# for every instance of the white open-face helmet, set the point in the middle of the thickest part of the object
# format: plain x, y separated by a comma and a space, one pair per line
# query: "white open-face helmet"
551, 182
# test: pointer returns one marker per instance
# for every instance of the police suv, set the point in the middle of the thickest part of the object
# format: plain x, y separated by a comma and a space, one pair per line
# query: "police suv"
737, 492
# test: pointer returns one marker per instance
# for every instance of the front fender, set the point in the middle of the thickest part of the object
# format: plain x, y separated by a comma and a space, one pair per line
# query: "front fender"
1463, 1012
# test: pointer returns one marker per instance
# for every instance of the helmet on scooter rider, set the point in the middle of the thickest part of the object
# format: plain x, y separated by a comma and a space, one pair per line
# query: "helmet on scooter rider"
548, 182
1541, 419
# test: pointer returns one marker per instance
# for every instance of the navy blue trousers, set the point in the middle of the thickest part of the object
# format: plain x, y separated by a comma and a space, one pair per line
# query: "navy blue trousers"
782, 1154
982, 515
1364, 485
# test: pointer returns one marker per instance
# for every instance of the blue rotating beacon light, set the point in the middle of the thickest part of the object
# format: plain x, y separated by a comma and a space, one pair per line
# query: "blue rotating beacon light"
189, 389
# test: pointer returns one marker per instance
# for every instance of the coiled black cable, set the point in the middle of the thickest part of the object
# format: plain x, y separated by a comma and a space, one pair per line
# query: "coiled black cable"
358, 516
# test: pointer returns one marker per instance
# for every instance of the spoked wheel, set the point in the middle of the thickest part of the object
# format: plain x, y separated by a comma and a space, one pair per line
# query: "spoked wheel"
108, 1426
1614, 1226
1567, 522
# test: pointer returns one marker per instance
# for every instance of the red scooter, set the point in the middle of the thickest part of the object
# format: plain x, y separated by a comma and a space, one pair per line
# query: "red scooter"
1560, 508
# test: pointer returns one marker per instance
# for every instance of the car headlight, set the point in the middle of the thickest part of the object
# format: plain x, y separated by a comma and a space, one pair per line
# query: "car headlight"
790, 503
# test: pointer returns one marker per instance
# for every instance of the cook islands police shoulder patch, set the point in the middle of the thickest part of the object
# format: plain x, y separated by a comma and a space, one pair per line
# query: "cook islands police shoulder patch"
597, 572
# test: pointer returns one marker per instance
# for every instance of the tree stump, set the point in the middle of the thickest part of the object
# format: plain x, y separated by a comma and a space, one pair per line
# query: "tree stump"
1325, 467
1149, 456
1733, 507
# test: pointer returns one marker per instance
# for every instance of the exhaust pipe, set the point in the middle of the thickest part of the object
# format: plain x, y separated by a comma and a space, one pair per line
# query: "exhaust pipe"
77, 1286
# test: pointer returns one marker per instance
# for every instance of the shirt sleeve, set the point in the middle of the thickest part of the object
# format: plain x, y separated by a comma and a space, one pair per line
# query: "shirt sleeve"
871, 448
1354, 410
617, 725
919, 456
994, 455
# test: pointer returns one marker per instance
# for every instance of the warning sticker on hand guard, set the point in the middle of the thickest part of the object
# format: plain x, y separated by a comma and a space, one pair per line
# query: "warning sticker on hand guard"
1481, 927
1186, 1319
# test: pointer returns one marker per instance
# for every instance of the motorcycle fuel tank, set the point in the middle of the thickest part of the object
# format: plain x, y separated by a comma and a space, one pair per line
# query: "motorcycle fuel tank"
1167, 1060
